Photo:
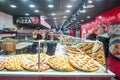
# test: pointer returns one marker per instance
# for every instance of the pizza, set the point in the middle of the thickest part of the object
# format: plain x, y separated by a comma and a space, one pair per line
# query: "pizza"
82, 45
87, 47
33, 66
85, 63
60, 62
14, 62
73, 50
99, 57
98, 46
43, 57
2, 65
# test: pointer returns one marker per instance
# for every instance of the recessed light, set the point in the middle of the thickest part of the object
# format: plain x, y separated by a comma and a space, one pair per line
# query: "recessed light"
13, 6
64, 16
36, 11
73, 0
82, 20
24, 0
50, 6
88, 17
49, 0
54, 18
69, 6
53, 14
84, 6
90, 6
67, 11
100, 17
90, 1
2, 0
26, 14
83, 11
31, 5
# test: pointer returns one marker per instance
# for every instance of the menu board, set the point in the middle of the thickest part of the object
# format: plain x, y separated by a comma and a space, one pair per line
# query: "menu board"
114, 45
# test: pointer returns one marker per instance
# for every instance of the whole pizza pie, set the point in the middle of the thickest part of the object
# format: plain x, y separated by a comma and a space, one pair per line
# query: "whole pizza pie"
60, 62
84, 63
14, 62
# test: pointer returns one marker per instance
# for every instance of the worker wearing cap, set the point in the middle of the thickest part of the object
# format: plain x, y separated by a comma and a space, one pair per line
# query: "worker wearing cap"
103, 37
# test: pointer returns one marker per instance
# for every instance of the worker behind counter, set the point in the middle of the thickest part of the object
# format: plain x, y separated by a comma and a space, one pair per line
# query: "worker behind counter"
103, 37
37, 35
51, 47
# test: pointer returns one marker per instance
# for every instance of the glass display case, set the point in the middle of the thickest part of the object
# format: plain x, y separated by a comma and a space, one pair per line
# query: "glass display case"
63, 58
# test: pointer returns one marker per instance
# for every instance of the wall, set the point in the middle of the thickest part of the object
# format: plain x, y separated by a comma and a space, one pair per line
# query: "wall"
6, 20
107, 17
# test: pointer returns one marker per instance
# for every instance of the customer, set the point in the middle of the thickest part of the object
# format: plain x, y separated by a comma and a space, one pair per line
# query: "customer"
91, 35
103, 37
51, 46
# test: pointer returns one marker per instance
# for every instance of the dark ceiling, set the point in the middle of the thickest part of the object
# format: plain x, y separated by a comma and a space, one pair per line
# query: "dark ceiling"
22, 7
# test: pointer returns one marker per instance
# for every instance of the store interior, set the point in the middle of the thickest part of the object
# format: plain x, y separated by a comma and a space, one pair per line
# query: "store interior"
59, 39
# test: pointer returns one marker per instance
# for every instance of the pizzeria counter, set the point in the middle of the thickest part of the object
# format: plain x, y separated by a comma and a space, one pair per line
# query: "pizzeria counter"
70, 62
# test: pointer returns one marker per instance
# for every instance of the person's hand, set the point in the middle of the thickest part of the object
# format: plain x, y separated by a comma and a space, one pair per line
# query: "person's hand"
43, 36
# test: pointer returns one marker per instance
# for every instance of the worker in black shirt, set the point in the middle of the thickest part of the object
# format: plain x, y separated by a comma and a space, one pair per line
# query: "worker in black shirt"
51, 47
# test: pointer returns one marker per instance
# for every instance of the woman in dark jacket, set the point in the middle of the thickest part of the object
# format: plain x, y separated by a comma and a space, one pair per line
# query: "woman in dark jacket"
51, 47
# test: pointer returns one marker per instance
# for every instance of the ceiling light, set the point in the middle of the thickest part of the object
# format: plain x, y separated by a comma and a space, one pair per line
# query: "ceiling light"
82, 20
49, 0
83, 11
100, 17
73, 0
26, 14
67, 11
84, 6
69, 6
90, 1
80, 11
88, 17
36, 11
53, 14
24, 0
2, 0
50, 6
54, 18
64, 16
90, 6
13, 6
31, 5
